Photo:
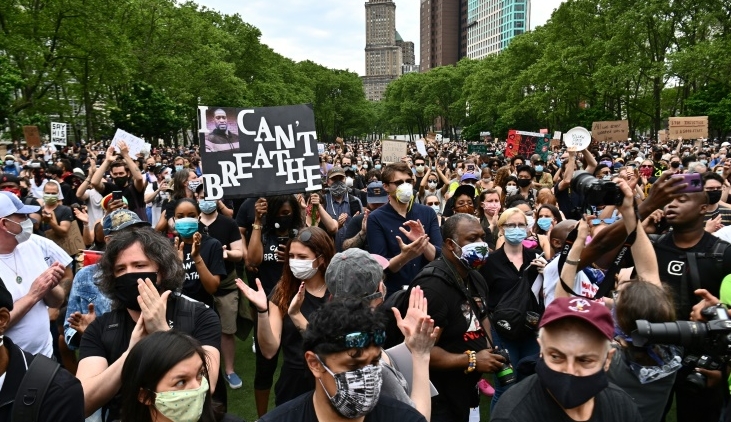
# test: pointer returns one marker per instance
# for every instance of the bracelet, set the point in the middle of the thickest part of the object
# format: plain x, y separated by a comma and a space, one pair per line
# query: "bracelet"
472, 356
265, 311
570, 262
197, 261
256, 227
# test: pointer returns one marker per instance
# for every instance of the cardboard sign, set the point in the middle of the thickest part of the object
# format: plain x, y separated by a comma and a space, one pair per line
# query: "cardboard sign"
392, 151
431, 137
421, 147
526, 144
555, 143
275, 151
134, 144
32, 136
614, 131
688, 127
58, 133
663, 135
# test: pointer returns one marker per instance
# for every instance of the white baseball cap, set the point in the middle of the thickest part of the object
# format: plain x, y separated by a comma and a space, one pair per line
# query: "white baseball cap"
11, 204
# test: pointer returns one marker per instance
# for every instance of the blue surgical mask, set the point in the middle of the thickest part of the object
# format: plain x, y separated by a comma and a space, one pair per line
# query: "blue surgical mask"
436, 208
208, 207
545, 223
354, 168
377, 167
179, 168
515, 235
186, 227
538, 169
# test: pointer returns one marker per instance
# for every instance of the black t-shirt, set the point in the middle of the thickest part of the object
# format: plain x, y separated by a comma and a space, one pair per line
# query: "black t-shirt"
291, 342
135, 199
500, 273
528, 401
569, 202
224, 230
212, 255
246, 215
62, 213
461, 331
302, 409
672, 263
270, 271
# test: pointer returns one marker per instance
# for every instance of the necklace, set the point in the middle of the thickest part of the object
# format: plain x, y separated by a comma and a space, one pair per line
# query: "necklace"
319, 289
18, 279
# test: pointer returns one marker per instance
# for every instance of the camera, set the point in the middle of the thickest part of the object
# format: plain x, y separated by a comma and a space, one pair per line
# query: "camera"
505, 375
713, 338
596, 192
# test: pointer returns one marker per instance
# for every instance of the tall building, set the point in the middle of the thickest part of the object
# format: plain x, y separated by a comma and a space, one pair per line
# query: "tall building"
384, 58
441, 35
492, 24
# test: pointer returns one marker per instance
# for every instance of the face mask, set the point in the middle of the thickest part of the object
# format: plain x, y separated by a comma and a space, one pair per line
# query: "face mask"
704, 162
26, 230
420, 169
465, 209
208, 207
9, 162
538, 169
432, 185
511, 190
545, 223
283, 222
182, 405
473, 255
530, 221
193, 185
357, 390
460, 172
568, 390
491, 207
302, 268
150, 168
120, 181
338, 189
719, 172
377, 167
354, 168
125, 288
365, 166
349, 182
607, 177
186, 227
50, 199
675, 164
436, 208
486, 181
515, 235
405, 193
23, 192
714, 196
524, 183
178, 168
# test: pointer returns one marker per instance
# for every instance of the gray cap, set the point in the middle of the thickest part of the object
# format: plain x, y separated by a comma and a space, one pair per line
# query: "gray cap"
353, 273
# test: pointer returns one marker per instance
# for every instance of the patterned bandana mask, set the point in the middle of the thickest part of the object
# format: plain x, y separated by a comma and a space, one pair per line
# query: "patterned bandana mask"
357, 390
182, 405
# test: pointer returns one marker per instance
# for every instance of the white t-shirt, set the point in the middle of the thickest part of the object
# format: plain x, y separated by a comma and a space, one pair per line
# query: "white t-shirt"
94, 207
582, 284
29, 260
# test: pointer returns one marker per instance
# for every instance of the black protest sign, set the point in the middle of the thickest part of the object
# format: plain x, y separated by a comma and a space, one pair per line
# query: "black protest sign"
480, 149
250, 152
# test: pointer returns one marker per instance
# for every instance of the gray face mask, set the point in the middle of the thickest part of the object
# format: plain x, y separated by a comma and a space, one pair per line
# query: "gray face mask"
338, 189
357, 390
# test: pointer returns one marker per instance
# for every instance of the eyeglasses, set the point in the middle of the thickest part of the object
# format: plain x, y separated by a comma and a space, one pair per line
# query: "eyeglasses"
360, 339
432, 203
515, 226
401, 182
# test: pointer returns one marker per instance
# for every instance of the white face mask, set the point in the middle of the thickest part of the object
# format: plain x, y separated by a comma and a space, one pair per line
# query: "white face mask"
432, 185
530, 221
349, 182
511, 190
404, 193
302, 268
27, 230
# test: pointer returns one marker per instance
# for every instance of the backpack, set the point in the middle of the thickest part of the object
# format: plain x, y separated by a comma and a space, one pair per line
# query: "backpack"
33, 387
400, 301
508, 318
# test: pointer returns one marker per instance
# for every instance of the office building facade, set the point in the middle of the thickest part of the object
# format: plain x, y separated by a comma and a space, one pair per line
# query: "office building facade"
492, 24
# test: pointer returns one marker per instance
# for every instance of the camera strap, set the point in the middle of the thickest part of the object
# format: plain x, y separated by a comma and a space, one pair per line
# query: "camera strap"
608, 284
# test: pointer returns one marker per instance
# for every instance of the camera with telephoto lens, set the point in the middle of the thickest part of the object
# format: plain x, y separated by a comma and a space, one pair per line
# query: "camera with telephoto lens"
505, 375
712, 338
596, 192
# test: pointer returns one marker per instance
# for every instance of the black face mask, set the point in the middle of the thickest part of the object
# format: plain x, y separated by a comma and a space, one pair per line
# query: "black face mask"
283, 222
125, 288
568, 390
714, 196
675, 164
524, 183
121, 181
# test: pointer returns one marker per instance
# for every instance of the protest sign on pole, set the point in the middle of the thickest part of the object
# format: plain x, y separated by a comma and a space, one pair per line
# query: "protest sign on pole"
614, 131
32, 136
526, 144
688, 127
58, 133
250, 152
392, 151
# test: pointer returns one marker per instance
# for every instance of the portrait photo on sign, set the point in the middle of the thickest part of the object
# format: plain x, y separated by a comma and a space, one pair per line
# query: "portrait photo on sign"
223, 134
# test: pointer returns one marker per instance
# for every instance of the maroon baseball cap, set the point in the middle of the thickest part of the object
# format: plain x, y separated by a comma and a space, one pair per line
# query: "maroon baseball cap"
595, 313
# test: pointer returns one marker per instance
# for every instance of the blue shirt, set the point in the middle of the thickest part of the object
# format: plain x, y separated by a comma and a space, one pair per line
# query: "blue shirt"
335, 208
83, 292
383, 227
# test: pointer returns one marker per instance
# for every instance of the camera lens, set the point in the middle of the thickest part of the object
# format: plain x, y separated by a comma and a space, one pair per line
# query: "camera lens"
683, 333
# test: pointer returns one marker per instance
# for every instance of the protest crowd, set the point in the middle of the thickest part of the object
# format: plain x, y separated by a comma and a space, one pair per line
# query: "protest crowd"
566, 285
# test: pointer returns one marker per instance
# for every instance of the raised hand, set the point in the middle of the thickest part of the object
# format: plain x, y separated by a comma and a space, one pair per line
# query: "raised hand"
257, 297
297, 300
79, 321
416, 230
178, 244
415, 248
195, 251
153, 306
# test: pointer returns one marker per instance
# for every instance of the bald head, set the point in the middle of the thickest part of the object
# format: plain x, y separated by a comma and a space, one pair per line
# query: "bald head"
561, 230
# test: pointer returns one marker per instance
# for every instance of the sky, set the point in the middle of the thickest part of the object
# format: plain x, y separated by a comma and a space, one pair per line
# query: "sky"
332, 32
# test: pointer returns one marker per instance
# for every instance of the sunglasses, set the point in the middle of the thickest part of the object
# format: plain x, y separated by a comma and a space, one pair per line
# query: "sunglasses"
360, 339
401, 182
645, 166
432, 203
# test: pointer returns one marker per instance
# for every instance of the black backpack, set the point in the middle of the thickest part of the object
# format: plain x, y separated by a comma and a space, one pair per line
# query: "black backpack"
509, 316
33, 387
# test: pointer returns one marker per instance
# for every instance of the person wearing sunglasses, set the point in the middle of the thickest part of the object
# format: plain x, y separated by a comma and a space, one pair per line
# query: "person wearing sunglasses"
342, 346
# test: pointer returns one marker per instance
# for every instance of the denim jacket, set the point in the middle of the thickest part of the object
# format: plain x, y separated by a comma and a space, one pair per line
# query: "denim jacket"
83, 292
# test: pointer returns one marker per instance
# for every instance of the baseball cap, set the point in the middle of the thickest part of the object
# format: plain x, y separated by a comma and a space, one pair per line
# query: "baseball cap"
467, 176
6, 299
354, 273
11, 204
464, 190
376, 193
594, 313
9, 178
725, 144
121, 219
79, 173
335, 171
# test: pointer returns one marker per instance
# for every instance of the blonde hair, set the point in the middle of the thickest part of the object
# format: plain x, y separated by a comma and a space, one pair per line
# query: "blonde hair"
509, 213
